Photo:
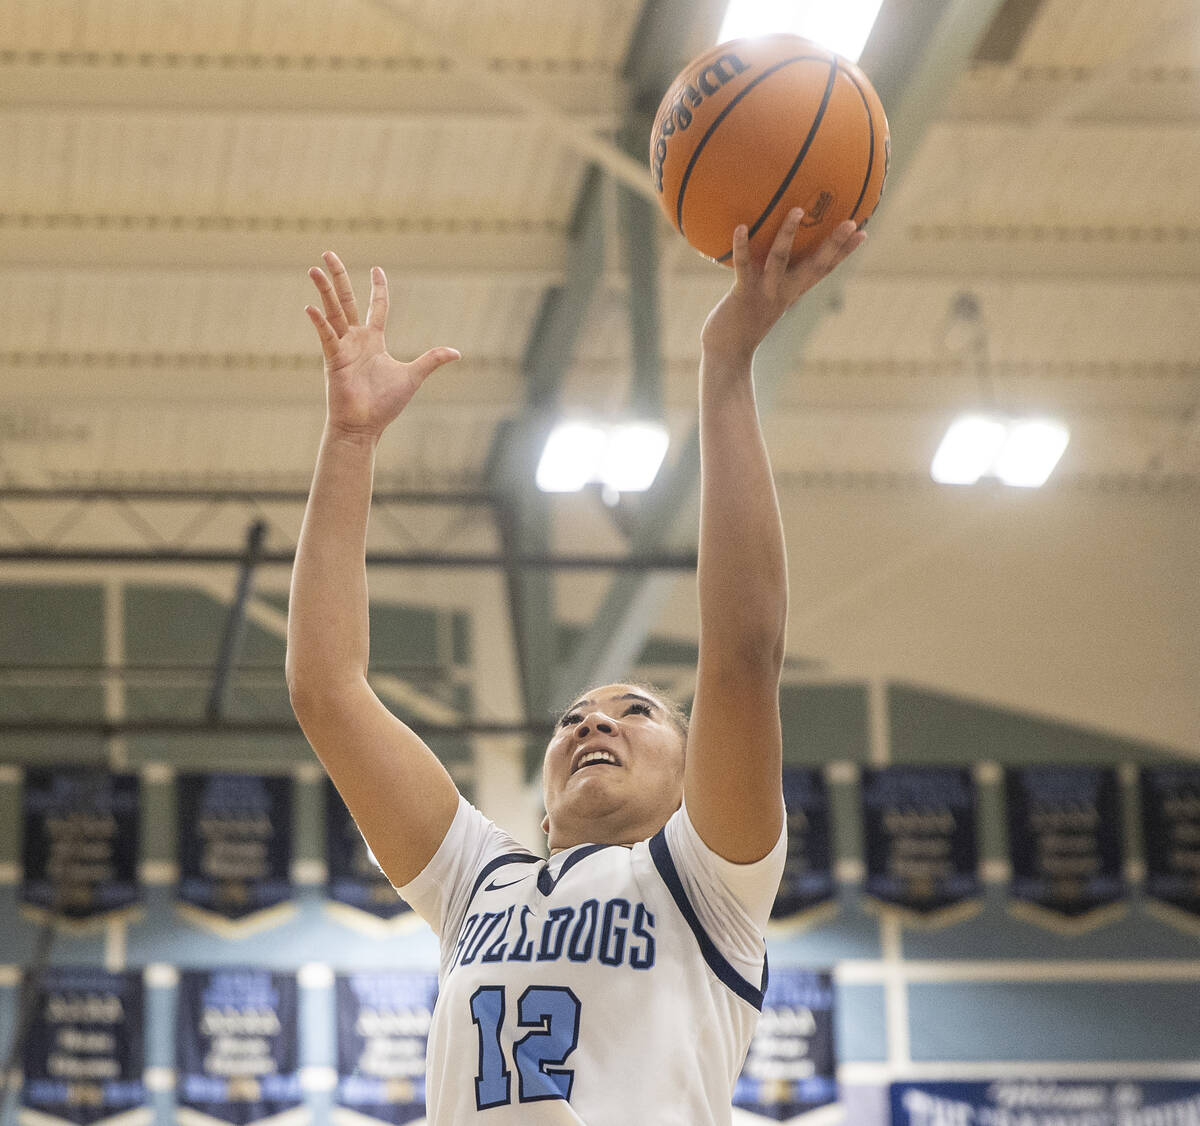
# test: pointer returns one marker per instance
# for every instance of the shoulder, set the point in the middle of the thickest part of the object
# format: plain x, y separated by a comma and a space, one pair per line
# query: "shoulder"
473, 848
685, 861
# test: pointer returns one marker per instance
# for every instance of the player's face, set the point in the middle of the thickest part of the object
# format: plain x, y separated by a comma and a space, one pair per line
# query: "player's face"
613, 771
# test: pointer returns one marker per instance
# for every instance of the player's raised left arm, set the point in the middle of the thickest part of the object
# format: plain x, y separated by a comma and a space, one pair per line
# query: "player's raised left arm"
734, 758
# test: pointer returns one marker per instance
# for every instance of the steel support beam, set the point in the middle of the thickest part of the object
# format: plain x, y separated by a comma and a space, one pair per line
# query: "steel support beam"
523, 514
916, 52
544, 561
235, 625
639, 237
241, 727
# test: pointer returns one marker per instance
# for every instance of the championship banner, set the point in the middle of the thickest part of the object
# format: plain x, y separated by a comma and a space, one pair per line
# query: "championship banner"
790, 1069
921, 852
235, 850
1064, 842
360, 893
237, 1050
1171, 832
79, 846
808, 872
83, 1053
383, 1022
1035, 1102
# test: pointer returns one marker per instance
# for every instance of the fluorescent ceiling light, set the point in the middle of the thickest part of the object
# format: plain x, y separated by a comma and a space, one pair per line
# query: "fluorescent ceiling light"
968, 450
840, 25
635, 452
1021, 452
571, 457
1031, 452
624, 458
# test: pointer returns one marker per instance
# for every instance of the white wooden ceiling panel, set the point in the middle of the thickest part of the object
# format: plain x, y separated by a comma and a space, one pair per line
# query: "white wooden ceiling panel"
296, 28
123, 164
533, 29
44, 25
1069, 34
34, 144
544, 32
1078, 176
1032, 320
221, 313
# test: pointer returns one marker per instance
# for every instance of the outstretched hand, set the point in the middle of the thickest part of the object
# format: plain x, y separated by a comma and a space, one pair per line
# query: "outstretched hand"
760, 295
366, 388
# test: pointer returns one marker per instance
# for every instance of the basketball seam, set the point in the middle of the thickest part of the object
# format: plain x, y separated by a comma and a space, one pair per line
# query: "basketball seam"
687, 174
833, 69
870, 144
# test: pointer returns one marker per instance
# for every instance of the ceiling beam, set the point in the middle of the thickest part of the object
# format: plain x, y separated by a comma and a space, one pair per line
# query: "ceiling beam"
535, 256
534, 562
916, 51
293, 87
990, 96
523, 513
509, 253
512, 92
1054, 115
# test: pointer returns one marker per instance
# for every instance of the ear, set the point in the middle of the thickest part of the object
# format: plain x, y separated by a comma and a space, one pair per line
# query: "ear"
546, 824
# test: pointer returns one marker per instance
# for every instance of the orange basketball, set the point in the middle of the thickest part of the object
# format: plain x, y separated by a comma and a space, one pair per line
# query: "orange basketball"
755, 127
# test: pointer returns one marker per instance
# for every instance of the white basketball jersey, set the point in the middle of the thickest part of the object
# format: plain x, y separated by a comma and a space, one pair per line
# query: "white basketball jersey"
606, 985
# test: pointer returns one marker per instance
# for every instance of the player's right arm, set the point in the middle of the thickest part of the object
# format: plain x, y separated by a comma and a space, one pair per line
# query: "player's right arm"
398, 792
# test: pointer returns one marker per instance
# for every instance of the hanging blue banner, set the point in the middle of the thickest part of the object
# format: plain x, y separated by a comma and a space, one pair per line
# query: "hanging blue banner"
79, 845
1036, 1102
355, 879
237, 1054
383, 1022
1171, 831
1064, 842
84, 1051
235, 844
808, 872
791, 1066
919, 825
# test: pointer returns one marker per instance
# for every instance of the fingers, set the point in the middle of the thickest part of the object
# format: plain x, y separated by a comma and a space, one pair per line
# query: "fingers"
741, 253
342, 287
425, 365
334, 315
844, 239
378, 311
329, 338
780, 253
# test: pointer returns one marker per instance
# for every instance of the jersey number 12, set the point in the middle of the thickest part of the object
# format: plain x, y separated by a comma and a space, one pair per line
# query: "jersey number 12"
552, 1015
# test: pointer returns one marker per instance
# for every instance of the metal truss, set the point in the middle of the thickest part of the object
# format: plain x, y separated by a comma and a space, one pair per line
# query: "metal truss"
198, 526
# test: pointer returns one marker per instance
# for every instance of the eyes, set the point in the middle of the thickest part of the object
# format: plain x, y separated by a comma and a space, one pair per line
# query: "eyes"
636, 708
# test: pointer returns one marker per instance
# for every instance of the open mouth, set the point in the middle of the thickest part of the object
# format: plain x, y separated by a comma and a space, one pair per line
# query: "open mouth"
598, 756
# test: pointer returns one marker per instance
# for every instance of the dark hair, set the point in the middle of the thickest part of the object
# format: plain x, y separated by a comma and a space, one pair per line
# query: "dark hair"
671, 707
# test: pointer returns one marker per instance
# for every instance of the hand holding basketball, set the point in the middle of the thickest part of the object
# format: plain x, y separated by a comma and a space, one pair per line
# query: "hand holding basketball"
755, 127
366, 388
760, 295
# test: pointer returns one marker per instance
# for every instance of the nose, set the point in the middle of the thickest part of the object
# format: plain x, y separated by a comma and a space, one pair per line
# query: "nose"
595, 722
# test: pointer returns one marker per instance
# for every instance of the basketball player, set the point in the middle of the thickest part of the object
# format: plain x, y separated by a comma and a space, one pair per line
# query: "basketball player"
620, 980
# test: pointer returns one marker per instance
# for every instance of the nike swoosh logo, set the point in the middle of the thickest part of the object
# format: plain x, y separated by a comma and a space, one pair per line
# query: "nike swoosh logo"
493, 886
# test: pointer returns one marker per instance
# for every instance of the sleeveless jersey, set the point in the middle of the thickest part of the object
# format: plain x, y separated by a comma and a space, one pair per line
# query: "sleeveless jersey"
605, 985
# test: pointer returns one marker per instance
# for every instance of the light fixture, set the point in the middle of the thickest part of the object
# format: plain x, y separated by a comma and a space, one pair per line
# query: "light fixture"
571, 457
622, 457
631, 459
968, 449
1021, 452
840, 25
1031, 452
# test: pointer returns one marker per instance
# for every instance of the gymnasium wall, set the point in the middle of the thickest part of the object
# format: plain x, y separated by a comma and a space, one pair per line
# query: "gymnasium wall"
988, 996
